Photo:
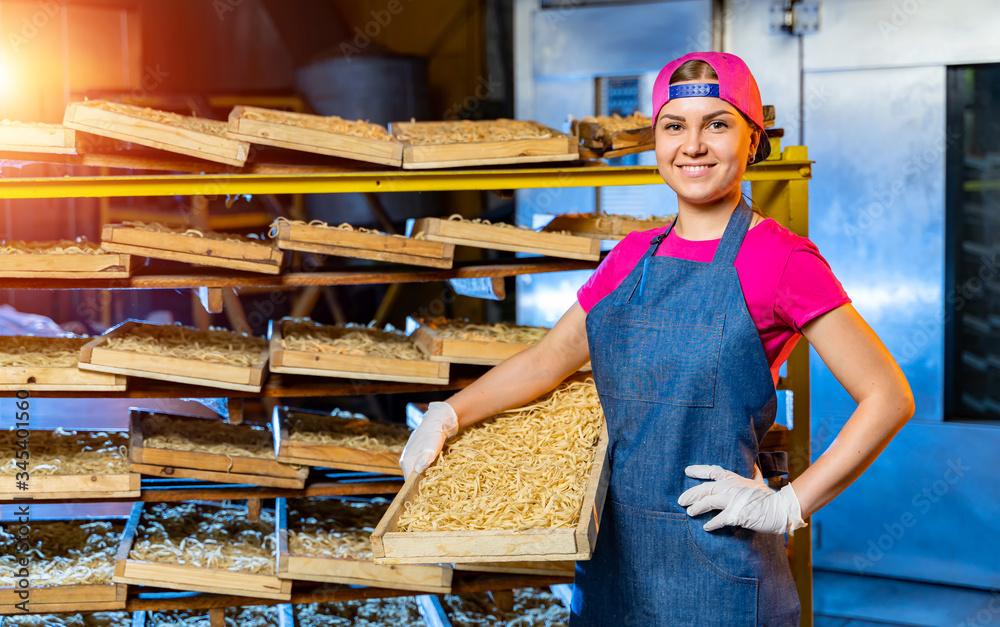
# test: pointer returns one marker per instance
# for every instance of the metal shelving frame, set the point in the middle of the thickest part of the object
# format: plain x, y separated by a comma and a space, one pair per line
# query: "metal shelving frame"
779, 188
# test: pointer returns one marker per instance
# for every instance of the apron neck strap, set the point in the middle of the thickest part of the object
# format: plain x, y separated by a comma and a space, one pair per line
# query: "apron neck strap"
732, 239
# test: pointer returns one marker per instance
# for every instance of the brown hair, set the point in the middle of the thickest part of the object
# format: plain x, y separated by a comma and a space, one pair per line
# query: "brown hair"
693, 70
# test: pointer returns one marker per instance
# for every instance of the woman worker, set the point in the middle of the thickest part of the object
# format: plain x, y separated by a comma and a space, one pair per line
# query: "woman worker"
685, 327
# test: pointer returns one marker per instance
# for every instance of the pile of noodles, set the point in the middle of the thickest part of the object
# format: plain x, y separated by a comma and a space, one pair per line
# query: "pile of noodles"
325, 527
204, 536
526, 468
350, 339
355, 432
63, 553
217, 346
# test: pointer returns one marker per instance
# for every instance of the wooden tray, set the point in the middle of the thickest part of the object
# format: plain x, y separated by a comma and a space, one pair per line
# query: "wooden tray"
603, 226
558, 147
351, 366
163, 462
29, 266
70, 598
247, 256
133, 126
44, 138
67, 486
392, 546
595, 136
93, 356
555, 569
303, 131
376, 246
328, 456
192, 578
512, 239
454, 351
420, 578
70, 378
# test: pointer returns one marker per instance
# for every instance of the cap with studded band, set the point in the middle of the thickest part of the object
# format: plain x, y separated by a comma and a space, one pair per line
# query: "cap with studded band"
736, 86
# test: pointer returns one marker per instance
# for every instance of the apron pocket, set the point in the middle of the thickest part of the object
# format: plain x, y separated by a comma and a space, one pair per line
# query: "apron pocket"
676, 353
666, 580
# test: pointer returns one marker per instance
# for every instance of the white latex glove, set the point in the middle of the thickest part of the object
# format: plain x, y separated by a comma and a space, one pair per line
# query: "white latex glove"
744, 502
439, 424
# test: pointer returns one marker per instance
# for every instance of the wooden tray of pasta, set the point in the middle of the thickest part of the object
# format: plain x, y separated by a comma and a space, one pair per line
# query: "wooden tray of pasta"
97, 355
411, 367
481, 142
345, 442
233, 252
50, 364
330, 558
71, 567
326, 240
437, 339
63, 260
319, 134
569, 537
605, 226
187, 135
194, 575
68, 465
507, 237
167, 445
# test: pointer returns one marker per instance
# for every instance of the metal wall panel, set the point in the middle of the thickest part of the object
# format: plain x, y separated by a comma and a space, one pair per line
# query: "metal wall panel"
876, 211
592, 41
895, 33
876, 128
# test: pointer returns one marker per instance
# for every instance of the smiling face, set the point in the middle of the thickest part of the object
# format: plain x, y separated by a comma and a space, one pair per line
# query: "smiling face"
702, 148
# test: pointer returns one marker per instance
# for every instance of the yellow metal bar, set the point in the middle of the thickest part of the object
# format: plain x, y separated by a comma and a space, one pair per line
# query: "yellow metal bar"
340, 182
788, 203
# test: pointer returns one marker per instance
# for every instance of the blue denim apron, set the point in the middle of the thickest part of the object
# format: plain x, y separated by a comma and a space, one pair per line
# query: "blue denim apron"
683, 379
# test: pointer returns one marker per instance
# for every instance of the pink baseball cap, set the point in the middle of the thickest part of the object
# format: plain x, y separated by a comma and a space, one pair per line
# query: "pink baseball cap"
736, 86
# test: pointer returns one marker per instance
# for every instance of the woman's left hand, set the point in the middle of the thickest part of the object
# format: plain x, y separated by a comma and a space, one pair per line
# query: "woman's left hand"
744, 502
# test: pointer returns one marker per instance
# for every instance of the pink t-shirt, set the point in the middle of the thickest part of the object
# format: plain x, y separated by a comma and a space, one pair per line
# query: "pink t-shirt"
786, 282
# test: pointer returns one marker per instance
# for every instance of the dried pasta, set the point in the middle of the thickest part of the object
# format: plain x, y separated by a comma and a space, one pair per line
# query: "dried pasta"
58, 247
332, 123
216, 345
247, 616
25, 351
523, 469
204, 536
64, 553
70, 453
532, 607
470, 131
156, 227
615, 123
191, 123
325, 527
95, 619
350, 339
393, 612
455, 217
344, 226
505, 332
207, 436
347, 430
619, 216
